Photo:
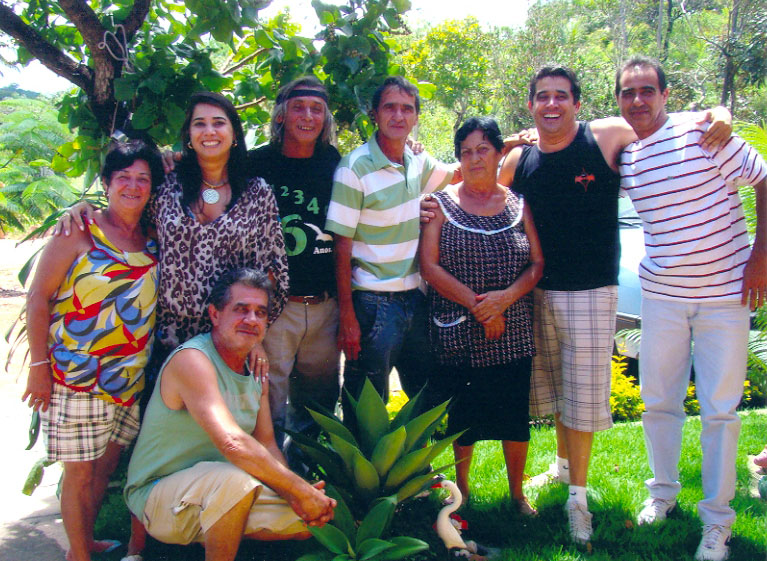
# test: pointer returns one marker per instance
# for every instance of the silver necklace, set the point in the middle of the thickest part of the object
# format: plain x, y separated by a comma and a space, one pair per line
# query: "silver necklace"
210, 195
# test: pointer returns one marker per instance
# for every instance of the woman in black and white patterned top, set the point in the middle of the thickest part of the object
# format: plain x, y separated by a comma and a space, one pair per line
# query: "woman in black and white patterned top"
481, 258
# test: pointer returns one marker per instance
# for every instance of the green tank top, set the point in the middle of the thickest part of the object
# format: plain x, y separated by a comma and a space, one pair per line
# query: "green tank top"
171, 440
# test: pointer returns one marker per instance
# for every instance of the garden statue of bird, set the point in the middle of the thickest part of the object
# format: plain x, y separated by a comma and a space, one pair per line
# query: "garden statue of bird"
446, 527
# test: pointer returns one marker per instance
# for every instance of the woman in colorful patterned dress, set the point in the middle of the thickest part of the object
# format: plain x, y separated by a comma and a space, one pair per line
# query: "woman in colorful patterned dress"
481, 257
90, 324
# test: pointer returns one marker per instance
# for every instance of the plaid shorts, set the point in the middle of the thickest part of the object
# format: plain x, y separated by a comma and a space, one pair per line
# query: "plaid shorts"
574, 333
78, 426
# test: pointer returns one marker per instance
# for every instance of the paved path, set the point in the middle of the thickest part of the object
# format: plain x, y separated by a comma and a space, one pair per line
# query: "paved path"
30, 527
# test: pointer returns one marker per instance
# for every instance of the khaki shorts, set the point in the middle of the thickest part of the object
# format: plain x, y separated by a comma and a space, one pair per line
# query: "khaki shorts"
183, 506
78, 426
574, 333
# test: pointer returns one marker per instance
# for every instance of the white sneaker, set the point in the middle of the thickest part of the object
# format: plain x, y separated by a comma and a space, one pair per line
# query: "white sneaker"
551, 475
655, 510
579, 519
715, 543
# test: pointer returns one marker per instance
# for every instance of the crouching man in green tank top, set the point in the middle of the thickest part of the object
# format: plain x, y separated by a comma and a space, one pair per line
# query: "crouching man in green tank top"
206, 467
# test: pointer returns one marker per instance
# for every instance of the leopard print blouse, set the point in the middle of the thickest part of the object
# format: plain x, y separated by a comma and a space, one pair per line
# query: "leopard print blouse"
193, 255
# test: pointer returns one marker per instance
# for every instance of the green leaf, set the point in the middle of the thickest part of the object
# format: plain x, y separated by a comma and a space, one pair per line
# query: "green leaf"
426, 89
332, 426
403, 547
315, 556
346, 451
372, 418
155, 83
215, 82
342, 516
401, 5
377, 520
366, 480
414, 486
388, 450
26, 269
407, 467
144, 116
437, 448
372, 547
331, 537
405, 414
262, 39
419, 426
327, 459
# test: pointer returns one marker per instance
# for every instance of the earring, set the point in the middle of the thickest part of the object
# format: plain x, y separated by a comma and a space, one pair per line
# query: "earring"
234, 143
189, 144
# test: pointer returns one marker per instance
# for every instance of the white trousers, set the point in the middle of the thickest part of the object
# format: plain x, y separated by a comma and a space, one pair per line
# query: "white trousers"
714, 338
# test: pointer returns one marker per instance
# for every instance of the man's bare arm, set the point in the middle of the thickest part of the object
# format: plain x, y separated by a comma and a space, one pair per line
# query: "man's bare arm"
509, 167
755, 273
349, 333
189, 382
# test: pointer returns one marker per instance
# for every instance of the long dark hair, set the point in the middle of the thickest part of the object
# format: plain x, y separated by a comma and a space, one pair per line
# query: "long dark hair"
188, 169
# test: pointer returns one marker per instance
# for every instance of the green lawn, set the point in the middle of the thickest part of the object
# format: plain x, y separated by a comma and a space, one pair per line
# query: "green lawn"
616, 491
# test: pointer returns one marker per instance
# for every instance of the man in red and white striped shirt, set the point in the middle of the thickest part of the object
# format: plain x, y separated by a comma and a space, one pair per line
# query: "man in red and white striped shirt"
699, 278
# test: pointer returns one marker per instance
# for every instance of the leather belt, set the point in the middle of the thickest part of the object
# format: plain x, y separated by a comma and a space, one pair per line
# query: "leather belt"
309, 300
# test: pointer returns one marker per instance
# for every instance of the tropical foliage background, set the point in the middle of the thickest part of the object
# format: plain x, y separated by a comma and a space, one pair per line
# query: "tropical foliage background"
140, 60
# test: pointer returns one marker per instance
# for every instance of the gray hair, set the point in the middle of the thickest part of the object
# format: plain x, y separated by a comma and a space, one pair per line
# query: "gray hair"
222, 290
277, 126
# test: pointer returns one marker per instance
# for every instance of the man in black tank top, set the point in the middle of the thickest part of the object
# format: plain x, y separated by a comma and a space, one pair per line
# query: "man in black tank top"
570, 180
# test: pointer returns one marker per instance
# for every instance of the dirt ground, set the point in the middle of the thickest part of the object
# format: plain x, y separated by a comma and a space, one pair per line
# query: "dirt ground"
30, 527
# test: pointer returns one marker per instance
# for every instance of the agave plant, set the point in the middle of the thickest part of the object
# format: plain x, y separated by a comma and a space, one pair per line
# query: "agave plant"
348, 540
372, 464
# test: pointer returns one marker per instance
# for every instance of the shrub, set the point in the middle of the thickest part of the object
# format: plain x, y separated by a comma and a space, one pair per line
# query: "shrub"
625, 401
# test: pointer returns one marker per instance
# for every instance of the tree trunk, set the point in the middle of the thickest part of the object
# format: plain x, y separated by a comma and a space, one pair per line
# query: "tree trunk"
97, 79
728, 84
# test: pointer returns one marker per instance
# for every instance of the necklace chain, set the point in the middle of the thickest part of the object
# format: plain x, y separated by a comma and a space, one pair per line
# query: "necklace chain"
224, 182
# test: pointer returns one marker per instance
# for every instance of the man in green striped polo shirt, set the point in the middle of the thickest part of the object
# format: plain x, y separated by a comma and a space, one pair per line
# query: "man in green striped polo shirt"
374, 214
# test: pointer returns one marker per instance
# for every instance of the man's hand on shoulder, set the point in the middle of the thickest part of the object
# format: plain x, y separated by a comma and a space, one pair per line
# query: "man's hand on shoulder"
428, 208
522, 138
720, 130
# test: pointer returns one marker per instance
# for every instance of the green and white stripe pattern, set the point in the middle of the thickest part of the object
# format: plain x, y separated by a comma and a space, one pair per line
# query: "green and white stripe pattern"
376, 203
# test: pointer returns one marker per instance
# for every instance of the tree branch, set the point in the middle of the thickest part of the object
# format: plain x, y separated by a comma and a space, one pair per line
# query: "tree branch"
136, 18
253, 103
51, 57
244, 61
86, 21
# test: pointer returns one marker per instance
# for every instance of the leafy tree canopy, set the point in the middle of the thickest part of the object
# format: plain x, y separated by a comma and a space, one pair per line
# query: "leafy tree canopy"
29, 189
142, 59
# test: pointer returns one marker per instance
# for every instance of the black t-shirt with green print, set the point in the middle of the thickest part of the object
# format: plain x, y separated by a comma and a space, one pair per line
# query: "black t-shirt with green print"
302, 188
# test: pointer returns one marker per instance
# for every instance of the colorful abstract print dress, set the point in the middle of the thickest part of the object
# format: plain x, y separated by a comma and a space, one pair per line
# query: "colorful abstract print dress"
102, 321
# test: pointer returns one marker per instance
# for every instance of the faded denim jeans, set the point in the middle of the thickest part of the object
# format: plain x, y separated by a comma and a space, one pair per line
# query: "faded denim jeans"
394, 334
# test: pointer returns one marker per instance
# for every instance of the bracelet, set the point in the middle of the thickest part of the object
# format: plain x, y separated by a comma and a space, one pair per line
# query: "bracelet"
39, 362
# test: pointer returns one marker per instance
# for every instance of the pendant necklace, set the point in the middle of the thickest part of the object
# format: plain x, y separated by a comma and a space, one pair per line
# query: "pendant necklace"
210, 195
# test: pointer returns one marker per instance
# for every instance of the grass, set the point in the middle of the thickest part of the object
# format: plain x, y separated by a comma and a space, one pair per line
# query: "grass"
616, 491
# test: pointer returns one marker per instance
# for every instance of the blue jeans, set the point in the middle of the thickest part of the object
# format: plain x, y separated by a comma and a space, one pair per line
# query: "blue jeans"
394, 334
